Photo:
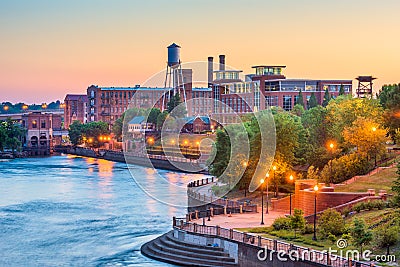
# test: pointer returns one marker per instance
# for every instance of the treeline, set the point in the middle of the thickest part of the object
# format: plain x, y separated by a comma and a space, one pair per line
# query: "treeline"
11, 134
333, 143
10, 108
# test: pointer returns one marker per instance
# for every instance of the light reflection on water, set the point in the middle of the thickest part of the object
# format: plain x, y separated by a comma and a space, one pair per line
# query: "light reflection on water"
73, 211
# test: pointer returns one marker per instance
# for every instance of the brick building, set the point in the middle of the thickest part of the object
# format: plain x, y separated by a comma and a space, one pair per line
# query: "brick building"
75, 109
43, 132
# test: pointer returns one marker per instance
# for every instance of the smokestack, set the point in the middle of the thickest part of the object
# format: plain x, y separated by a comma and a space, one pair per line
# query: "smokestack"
222, 62
210, 71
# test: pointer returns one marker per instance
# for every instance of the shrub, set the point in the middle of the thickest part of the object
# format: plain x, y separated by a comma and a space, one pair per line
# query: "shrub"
308, 229
358, 207
346, 212
332, 238
281, 223
379, 204
331, 222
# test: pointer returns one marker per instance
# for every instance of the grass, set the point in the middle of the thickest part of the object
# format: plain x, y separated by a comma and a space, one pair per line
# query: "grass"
379, 181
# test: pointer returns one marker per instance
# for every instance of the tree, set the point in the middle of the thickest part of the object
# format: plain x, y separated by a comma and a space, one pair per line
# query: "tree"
297, 221
396, 186
327, 98
93, 130
3, 137
360, 235
153, 115
389, 98
331, 222
312, 103
161, 119
341, 90
75, 133
386, 237
175, 106
13, 135
312, 173
344, 110
300, 99
221, 151
118, 127
367, 136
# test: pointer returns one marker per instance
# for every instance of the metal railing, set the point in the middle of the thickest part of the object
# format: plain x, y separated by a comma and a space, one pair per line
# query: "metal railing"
298, 252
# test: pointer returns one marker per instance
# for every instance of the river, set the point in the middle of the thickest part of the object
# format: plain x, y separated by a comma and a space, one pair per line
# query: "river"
74, 211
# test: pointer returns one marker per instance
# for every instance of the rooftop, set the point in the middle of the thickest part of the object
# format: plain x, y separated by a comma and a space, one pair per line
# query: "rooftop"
137, 120
269, 66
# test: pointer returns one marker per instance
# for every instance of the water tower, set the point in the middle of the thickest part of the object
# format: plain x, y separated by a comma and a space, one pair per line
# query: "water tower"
174, 75
364, 88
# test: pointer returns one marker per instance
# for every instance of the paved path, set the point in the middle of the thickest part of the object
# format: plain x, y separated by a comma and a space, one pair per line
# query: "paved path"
244, 220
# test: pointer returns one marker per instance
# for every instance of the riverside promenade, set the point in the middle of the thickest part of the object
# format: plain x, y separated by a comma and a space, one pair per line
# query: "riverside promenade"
235, 220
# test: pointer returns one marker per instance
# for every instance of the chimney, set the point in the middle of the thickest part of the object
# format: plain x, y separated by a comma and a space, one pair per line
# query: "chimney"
210, 71
222, 62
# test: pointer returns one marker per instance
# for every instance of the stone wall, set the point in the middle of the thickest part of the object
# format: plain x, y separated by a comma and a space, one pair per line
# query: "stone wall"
304, 198
245, 254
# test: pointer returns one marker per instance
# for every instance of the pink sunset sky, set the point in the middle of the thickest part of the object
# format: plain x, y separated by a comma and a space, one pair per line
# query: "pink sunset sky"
51, 48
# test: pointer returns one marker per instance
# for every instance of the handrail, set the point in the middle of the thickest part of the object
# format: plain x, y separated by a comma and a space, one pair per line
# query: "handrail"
267, 243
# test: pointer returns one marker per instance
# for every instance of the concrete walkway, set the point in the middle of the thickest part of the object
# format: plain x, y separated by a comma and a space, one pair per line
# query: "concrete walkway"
244, 220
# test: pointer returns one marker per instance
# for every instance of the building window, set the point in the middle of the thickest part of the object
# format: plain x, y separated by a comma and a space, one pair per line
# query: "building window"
43, 124
287, 102
34, 124
272, 101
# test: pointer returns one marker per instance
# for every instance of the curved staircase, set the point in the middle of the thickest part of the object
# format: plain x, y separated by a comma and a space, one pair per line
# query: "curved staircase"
168, 249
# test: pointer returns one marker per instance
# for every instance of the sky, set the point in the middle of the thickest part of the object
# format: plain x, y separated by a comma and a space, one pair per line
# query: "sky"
49, 48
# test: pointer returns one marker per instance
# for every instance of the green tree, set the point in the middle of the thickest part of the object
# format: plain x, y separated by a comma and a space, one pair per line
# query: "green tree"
93, 130
221, 151
396, 186
175, 108
386, 236
341, 90
3, 136
312, 103
297, 221
118, 127
161, 119
13, 135
300, 99
75, 133
389, 98
327, 98
331, 222
153, 115
360, 235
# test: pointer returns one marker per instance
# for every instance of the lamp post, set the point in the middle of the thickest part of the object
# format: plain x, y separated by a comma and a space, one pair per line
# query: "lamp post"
331, 146
267, 176
262, 201
291, 178
374, 130
276, 185
315, 212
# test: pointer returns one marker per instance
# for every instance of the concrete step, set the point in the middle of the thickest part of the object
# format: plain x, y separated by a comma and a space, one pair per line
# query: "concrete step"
179, 254
170, 237
168, 243
182, 251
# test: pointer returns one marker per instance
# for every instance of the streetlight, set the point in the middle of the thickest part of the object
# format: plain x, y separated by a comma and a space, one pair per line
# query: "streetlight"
274, 169
315, 212
267, 176
374, 130
331, 146
262, 201
291, 178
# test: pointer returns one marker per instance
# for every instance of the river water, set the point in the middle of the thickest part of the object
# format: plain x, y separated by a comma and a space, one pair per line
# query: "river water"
74, 211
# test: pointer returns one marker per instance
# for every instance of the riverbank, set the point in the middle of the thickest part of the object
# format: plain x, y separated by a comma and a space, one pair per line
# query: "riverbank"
151, 161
